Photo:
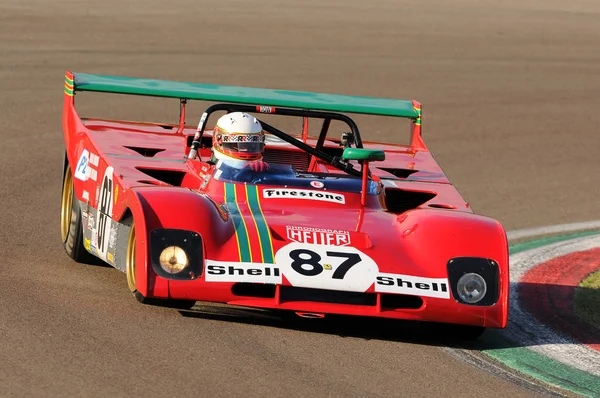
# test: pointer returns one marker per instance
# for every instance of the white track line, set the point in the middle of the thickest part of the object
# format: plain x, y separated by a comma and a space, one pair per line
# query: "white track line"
553, 229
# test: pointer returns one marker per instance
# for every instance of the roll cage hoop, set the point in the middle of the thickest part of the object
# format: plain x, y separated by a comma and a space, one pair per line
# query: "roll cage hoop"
327, 117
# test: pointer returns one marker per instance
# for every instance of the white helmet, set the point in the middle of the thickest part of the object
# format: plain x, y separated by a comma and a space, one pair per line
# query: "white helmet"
239, 136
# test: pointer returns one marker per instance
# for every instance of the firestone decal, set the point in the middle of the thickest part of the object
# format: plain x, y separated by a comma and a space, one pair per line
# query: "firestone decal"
318, 236
304, 194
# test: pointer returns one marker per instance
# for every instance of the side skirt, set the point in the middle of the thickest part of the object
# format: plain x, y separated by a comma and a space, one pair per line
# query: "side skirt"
113, 237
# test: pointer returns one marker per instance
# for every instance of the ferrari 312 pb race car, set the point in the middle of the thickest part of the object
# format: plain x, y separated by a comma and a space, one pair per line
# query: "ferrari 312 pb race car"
333, 225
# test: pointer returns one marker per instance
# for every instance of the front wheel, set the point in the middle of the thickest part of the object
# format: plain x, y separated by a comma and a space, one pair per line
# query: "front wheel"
131, 280
71, 222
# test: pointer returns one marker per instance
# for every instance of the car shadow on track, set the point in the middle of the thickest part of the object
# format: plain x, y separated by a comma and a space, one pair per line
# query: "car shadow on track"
366, 328
542, 307
548, 305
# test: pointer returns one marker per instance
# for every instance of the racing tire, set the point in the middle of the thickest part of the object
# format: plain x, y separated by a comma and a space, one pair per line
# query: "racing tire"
452, 331
131, 282
71, 222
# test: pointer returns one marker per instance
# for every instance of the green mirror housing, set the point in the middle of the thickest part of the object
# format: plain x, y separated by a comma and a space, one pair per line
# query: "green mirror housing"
370, 155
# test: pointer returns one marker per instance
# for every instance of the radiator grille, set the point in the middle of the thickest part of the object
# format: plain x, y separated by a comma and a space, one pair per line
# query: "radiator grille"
298, 159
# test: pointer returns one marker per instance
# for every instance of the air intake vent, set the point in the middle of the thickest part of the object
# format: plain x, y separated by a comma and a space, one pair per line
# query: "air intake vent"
399, 301
294, 294
262, 290
399, 200
171, 177
298, 159
147, 152
400, 173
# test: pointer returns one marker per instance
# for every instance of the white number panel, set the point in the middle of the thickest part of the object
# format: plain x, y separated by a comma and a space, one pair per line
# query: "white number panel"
104, 213
326, 267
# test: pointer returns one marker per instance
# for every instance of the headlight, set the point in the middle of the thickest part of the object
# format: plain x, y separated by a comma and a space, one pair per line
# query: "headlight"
474, 280
176, 254
471, 288
173, 259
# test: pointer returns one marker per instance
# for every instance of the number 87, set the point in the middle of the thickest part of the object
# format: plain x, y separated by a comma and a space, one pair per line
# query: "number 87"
307, 262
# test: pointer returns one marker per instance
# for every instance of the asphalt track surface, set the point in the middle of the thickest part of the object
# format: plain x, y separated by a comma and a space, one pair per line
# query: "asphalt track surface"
510, 93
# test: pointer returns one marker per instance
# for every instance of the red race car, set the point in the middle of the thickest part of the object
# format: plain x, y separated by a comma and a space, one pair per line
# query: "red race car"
316, 225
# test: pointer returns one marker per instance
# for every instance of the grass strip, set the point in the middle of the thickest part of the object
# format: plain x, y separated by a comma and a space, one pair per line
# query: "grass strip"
587, 299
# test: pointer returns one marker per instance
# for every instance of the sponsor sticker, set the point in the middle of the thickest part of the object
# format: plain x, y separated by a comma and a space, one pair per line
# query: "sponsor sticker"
82, 170
317, 184
112, 238
304, 194
86, 196
94, 159
223, 271
265, 109
94, 243
318, 236
205, 181
412, 285
97, 195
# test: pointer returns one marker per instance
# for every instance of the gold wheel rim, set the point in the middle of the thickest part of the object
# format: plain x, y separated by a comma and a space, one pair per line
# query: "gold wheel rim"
66, 205
130, 263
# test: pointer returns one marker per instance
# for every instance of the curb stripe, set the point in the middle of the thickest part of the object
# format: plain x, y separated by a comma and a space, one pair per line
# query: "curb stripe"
552, 372
547, 291
543, 354
241, 234
264, 234
528, 331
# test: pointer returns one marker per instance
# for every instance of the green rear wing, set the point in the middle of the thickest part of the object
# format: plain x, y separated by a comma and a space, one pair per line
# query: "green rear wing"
75, 82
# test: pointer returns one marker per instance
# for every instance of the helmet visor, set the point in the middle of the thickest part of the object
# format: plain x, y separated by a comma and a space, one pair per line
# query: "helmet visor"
250, 148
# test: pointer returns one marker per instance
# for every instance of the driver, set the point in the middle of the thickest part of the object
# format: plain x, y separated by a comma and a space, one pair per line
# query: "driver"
239, 142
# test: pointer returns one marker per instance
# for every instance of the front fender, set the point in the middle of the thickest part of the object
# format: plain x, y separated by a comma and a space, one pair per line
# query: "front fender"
171, 208
432, 237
